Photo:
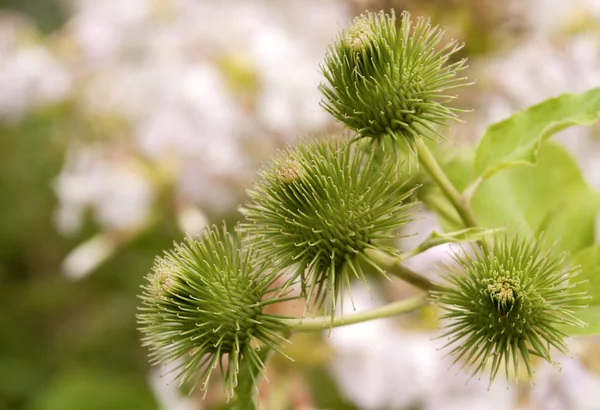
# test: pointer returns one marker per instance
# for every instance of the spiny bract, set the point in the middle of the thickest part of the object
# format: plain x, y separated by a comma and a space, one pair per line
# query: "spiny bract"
203, 303
507, 301
319, 207
384, 81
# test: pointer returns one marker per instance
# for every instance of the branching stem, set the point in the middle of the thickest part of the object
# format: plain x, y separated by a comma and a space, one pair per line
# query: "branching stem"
441, 179
394, 266
325, 322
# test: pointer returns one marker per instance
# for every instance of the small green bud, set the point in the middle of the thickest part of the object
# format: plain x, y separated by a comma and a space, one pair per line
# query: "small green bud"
203, 303
388, 81
319, 207
506, 301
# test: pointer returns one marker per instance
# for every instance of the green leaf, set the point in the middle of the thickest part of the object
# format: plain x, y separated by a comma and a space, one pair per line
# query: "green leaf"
551, 197
94, 389
246, 392
438, 238
589, 260
517, 140
591, 316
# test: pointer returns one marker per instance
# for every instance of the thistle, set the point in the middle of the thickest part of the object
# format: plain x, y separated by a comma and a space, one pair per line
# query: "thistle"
203, 303
506, 301
319, 208
386, 82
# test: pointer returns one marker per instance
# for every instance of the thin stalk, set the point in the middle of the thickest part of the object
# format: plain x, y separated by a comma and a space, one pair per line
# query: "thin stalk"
325, 322
441, 179
393, 265
250, 379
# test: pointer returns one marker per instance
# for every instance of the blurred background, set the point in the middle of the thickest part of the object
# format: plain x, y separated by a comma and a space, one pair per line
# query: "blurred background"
127, 124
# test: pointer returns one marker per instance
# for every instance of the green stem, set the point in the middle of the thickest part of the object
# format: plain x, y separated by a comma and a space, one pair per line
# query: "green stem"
394, 266
441, 179
325, 322
246, 392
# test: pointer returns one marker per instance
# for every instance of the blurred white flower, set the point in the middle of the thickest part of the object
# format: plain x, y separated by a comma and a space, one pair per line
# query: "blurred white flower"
166, 136
116, 191
289, 101
103, 28
209, 103
289, 66
29, 78
89, 255
377, 365
191, 221
119, 12
124, 198
573, 388
156, 65
546, 17
168, 395
539, 69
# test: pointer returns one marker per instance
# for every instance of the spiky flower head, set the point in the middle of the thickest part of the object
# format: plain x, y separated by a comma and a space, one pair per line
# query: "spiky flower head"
203, 307
320, 207
505, 302
388, 81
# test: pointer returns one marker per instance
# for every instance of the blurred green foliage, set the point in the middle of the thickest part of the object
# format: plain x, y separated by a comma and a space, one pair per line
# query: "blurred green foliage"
47, 14
63, 344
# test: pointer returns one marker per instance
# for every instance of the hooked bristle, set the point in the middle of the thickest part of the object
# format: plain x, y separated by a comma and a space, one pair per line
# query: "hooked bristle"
204, 301
384, 81
339, 203
505, 303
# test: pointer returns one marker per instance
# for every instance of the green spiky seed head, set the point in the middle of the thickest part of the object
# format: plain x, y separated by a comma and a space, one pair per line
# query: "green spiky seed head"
506, 303
391, 83
319, 207
203, 306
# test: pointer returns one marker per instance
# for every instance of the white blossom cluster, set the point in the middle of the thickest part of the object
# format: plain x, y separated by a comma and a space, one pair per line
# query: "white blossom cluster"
202, 93
207, 88
31, 75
